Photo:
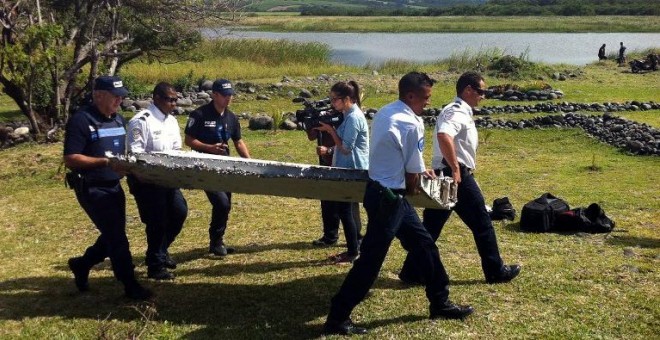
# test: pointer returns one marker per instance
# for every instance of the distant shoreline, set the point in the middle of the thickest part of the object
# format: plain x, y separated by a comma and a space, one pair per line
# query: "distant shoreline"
558, 24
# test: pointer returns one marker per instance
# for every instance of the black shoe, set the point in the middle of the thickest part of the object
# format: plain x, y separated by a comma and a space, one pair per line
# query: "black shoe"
159, 273
323, 242
410, 281
507, 274
221, 250
169, 263
449, 310
80, 273
343, 328
135, 291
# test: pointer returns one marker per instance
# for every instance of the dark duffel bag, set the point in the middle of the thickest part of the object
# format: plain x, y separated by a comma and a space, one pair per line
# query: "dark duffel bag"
540, 214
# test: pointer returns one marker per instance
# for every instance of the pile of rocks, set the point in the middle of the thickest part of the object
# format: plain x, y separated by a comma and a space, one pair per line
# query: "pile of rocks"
634, 137
567, 107
517, 95
14, 133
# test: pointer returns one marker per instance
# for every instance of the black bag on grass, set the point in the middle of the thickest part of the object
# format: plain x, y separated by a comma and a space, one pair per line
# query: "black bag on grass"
590, 220
540, 214
502, 210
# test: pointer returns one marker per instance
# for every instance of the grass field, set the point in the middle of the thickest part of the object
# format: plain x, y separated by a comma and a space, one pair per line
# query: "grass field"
296, 23
279, 286
572, 286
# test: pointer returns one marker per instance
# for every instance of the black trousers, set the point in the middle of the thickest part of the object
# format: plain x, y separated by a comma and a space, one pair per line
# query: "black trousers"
472, 211
400, 220
221, 206
163, 211
105, 204
330, 218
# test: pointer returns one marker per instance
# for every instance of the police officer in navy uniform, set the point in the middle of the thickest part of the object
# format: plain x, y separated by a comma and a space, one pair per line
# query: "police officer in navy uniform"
163, 210
91, 134
395, 166
209, 129
454, 154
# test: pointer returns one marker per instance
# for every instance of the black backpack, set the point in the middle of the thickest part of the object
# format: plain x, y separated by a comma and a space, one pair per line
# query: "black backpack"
590, 220
540, 214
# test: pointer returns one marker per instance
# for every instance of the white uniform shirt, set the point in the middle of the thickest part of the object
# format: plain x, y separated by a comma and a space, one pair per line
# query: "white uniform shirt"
151, 130
456, 121
397, 142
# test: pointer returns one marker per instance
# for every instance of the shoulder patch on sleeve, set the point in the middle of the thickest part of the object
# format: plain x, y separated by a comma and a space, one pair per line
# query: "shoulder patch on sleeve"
191, 121
448, 113
136, 133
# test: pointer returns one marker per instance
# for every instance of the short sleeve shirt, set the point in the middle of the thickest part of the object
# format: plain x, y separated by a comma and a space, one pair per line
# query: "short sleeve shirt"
151, 130
456, 120
397, 145
209, 127
354, 134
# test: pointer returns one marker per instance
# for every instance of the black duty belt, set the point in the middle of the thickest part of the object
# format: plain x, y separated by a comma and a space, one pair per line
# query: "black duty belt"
377, 184
460, 165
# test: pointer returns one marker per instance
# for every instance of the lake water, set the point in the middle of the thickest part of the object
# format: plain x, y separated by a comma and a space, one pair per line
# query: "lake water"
361, 48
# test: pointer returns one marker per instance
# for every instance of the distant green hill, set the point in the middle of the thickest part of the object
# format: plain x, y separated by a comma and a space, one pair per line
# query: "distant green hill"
461, 7
341, 5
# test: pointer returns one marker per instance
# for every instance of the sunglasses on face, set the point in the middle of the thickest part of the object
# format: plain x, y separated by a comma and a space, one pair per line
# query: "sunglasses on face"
171, 99
478, 90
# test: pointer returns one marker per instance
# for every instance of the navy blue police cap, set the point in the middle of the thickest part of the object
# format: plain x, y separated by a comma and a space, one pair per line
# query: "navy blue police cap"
111, 84
224, 87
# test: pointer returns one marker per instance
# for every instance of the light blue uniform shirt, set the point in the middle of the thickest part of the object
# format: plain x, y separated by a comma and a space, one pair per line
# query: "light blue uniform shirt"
354, 135
397, 143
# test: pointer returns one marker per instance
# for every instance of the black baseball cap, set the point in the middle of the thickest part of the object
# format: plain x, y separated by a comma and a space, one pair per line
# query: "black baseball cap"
224, 87
112, 84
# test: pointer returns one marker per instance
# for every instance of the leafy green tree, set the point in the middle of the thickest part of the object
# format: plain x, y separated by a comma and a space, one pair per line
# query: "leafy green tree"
53, 49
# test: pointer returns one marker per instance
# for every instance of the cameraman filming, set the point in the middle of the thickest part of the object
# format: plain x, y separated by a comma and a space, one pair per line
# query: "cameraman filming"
350, 150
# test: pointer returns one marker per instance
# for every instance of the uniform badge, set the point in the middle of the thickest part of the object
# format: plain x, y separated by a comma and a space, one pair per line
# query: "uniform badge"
420, 144
210, 123
137, 134
447, 114
191, 122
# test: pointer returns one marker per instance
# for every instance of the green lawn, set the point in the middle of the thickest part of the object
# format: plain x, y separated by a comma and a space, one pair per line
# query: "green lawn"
279, 286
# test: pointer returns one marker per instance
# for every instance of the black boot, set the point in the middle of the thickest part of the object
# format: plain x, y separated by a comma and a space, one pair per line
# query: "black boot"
80, 270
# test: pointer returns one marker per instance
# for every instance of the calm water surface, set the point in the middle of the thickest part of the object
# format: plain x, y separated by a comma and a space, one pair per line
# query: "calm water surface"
361, 48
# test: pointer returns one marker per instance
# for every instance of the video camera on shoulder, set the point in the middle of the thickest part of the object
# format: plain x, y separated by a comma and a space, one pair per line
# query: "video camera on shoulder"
317, 111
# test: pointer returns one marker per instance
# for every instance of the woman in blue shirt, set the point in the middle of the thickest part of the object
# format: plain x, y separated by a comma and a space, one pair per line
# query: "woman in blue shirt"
351, 151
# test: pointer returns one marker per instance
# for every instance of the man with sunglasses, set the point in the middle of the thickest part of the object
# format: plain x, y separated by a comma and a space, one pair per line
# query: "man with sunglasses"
209, 130
163, 210
454, 154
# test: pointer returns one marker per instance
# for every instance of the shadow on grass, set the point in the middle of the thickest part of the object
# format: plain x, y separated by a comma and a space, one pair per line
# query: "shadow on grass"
632, 241
292, 309
235, 311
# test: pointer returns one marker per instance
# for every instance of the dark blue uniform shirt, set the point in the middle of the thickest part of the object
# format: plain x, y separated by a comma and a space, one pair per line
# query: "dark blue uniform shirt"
90, 133
207, 126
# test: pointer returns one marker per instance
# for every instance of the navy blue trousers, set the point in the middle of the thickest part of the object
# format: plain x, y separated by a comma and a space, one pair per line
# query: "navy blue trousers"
400, 220
221, 206
163, 211
472, 211
105, 204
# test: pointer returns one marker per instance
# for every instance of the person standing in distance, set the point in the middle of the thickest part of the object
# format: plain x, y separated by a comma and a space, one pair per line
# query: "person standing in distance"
92, 132
163, 210
601, 53
209, 129
454, 154
622, 55
351, 151
395, 165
